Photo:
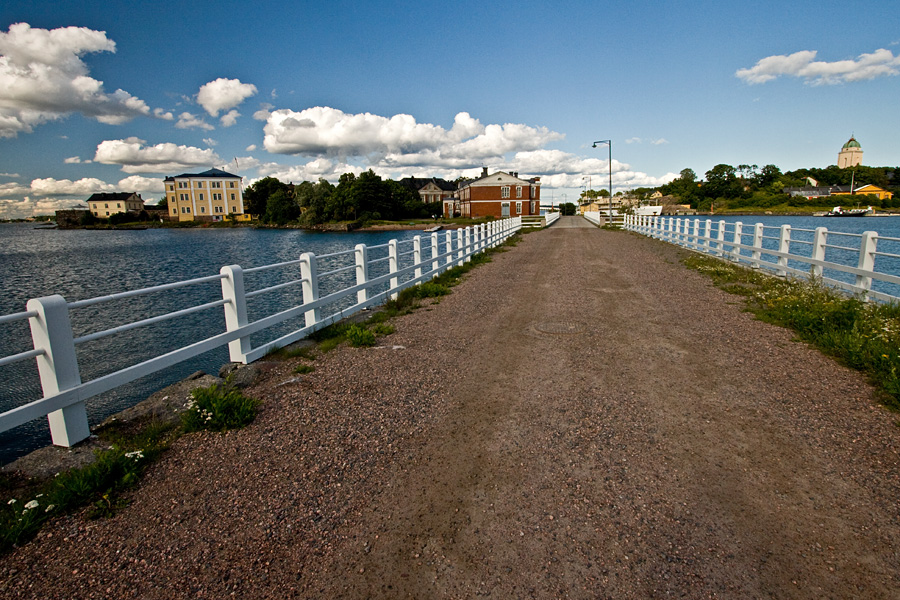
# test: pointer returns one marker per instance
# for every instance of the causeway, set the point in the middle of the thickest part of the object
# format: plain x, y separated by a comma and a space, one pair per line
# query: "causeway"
583, 417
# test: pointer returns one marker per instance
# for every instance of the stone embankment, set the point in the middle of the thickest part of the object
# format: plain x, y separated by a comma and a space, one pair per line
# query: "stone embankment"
582, 417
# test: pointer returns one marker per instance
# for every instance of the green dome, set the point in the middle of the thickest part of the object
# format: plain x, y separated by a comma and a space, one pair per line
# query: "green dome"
852, 144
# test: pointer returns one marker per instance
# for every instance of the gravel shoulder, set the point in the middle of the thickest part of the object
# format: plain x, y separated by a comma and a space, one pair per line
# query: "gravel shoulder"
582, 417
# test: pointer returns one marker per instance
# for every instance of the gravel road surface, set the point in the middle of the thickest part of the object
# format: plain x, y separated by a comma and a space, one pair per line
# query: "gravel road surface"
582, 417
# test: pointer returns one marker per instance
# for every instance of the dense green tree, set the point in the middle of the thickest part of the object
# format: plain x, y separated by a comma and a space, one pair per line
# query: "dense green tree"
163, 202
722, 182
281, 208
256, 196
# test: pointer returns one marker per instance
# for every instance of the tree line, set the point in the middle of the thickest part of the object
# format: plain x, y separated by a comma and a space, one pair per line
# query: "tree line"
356, 198
726, 186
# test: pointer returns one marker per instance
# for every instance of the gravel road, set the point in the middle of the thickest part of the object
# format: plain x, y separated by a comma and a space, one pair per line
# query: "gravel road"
581, 418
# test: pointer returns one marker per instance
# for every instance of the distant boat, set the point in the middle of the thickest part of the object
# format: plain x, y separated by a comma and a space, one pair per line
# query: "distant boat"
433, 229
837, 211
648, 211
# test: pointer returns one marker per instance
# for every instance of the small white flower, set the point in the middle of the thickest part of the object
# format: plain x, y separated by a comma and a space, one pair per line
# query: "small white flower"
32, 504
50, 507
12, 501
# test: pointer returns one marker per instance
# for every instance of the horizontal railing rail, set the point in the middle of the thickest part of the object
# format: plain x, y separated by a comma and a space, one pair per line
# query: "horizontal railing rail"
409, 263
793, 252
598, 218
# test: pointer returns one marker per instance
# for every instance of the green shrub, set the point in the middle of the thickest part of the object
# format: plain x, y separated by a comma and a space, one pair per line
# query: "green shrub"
304, 369
360, 337
380, 329
218, 409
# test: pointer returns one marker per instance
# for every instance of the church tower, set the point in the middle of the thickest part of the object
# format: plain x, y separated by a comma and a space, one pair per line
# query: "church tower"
850, 154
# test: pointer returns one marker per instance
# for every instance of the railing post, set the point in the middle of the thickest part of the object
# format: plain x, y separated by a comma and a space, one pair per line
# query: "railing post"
235, 311
720, 236
51, 331
468, 238
707, 228
362, 271
417, 255
449, 241
393, 266
697, 234
757, 245
867, 246
435, 265
310, 287
818, 250
784, 246
459, 246
678, 239
738, 239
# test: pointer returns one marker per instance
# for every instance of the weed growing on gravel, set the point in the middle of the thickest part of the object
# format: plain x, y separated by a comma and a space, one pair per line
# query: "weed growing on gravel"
864, 336
99, 485
218, 409
360, 337
304, 369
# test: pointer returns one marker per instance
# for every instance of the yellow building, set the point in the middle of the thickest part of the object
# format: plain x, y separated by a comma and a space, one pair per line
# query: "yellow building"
104, 205
212, 195
873, 190
850, 155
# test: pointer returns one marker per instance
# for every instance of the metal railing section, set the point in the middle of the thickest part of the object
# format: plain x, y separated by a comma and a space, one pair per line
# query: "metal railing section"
409, 263
846, 261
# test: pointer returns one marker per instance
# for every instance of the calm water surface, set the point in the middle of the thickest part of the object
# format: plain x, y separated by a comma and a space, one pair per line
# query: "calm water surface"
79, 264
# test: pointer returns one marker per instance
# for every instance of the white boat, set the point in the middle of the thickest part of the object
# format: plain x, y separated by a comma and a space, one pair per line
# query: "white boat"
648, 211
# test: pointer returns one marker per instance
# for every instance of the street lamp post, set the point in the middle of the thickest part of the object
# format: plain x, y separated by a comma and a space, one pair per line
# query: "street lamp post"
609, 144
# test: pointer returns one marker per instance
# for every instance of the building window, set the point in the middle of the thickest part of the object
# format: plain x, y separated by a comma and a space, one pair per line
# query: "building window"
216, 184
518, 191
202, 209
199, 184
106, 206
231, 184
234, 209
504, 191
232, 197
174, 210
518, 208
201, 196
118, 205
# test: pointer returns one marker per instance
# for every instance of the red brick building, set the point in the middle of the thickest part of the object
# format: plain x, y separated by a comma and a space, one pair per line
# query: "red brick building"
500, 195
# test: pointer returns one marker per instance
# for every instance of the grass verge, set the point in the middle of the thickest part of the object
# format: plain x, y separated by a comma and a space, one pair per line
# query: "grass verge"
861, 335
98, 487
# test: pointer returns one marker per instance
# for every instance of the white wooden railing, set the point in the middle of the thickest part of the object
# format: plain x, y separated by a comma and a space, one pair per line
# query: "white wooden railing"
409, 263
846, 261
544, 220
598, 218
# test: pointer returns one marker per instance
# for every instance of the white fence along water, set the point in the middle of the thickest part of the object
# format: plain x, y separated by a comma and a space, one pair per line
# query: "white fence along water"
599, 218
864, 264
64, 393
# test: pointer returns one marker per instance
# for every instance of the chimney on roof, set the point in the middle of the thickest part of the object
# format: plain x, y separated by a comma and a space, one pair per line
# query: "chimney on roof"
515, 174
484, 171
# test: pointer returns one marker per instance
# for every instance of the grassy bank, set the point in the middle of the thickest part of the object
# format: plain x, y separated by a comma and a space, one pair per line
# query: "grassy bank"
861, 335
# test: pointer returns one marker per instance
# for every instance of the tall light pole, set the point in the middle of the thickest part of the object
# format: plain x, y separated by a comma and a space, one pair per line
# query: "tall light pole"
609, 144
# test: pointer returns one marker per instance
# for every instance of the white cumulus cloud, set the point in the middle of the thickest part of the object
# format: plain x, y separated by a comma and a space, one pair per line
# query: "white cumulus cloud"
135, 157
229, 118
881, 63
223, 94
188, 120
136, 183
43, 78
66, 187
397, 141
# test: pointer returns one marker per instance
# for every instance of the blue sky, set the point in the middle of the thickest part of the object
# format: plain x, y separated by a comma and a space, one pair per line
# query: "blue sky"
114, 96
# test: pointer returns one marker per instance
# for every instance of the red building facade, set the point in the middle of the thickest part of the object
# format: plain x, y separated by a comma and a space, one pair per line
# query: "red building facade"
500, 195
